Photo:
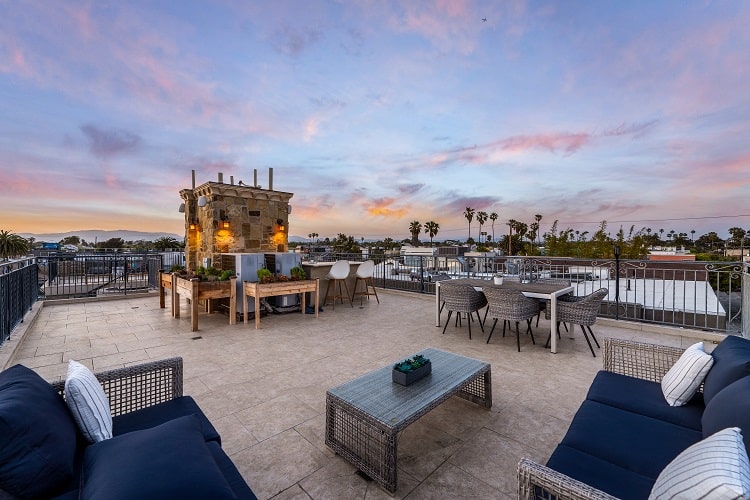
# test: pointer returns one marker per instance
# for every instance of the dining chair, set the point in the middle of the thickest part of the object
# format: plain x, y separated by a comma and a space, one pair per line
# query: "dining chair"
337, 275
511, 305
543, 302
462, 299
364, 274
580, 311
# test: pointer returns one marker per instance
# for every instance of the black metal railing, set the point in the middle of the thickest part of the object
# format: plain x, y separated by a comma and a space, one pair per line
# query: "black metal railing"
18, 293
97, 274
703, 295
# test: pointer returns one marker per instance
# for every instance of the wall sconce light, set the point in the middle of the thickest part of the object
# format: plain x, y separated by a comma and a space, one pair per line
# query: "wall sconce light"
225, 224
202, 201
279, 225
182, 208
193, 226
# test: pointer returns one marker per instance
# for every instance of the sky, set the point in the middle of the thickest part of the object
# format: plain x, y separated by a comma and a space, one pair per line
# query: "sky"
376, 113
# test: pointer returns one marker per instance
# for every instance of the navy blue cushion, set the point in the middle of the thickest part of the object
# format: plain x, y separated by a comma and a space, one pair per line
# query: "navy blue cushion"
730, 408
635, 442
731, 362
231, 474
37, 435
161, 413
645, 398
170, 460
600, 474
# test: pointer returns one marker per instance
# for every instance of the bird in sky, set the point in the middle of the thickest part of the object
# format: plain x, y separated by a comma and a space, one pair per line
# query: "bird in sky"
484, 19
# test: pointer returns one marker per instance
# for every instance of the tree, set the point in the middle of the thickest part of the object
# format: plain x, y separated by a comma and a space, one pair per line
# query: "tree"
12, 245
431, 228
709, 242
469, 214
415, 228
736, 236
70, 240
481, 219
112, 243
345, 244
493, 218
166, 243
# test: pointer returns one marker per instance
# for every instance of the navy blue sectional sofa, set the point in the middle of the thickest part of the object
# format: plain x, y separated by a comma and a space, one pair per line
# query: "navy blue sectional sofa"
163, 446
624, 434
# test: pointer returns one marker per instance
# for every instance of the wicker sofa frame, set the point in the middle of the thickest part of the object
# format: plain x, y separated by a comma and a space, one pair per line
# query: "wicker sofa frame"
636, 359
139, 386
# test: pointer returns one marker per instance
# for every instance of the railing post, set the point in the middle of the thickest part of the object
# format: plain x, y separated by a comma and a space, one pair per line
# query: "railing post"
616, 249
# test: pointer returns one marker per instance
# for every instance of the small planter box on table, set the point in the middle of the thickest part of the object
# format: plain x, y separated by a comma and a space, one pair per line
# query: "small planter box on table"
195, 290
409, 378
258, 290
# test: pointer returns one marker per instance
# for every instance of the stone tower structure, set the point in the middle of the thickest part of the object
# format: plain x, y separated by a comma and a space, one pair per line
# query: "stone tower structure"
227, 218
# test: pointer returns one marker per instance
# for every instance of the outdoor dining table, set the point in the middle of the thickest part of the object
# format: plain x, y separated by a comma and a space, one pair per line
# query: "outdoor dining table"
547, 291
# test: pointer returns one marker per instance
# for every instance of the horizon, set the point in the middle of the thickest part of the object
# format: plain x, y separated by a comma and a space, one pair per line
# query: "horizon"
378, 114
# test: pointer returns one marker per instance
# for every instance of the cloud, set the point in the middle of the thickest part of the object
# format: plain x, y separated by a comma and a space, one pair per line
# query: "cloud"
294, 41
410, 188
107, 143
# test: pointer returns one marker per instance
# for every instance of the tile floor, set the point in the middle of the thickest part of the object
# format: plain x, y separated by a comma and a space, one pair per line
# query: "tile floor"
264, 390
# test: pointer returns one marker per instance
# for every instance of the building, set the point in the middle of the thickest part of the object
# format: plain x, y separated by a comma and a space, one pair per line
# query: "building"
233, 218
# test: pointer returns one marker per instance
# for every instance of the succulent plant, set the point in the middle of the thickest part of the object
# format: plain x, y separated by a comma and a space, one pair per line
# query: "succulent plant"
411, 364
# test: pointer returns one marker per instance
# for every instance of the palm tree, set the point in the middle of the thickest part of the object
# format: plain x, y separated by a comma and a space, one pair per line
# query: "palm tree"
12, 245
431, 227
511, 224
469, 214
481, 219
415, 228
493, 218
166, 243
692, 235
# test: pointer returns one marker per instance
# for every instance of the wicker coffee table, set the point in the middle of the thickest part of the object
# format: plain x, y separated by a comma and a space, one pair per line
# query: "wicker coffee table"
365, 415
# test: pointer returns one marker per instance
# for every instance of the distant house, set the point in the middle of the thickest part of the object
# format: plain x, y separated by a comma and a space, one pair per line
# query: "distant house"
670, 254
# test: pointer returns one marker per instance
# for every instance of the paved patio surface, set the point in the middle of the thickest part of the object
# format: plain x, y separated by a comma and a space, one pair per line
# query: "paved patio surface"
264, 390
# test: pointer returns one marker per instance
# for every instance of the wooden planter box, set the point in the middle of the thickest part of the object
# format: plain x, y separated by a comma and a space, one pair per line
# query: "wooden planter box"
411, 377
195, 290
258, 290
166, 282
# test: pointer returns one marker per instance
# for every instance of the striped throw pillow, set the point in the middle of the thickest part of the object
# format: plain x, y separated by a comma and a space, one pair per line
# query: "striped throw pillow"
715, 468
685, 377
88, 403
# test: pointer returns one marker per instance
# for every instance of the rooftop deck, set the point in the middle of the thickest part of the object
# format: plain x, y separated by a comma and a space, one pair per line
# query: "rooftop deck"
264, 390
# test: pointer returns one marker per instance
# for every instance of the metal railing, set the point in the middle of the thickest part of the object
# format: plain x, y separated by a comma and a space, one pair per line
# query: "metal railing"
18, 292
703, 295
97, 274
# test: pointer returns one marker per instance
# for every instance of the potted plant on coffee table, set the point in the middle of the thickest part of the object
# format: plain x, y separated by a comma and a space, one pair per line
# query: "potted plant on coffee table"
410, 370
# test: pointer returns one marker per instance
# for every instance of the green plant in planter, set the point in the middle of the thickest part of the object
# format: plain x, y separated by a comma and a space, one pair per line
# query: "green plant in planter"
411, 364
298, 273
176, 268
226, 274
264, 275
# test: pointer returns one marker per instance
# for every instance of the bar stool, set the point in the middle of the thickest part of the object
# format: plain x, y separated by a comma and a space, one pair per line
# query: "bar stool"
364, 274
338, 274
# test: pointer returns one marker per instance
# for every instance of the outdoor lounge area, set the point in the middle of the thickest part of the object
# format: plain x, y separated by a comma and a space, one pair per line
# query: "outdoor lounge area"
265, 390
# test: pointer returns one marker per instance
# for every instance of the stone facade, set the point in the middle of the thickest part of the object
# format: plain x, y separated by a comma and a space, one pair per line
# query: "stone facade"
234, 219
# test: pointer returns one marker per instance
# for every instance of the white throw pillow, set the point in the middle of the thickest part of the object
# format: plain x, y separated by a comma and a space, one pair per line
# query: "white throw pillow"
88, 403
682, 380
715, 468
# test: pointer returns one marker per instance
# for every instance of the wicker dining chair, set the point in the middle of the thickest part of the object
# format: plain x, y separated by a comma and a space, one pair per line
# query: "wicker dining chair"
511, 305
543, 302
462, 299
580, 311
